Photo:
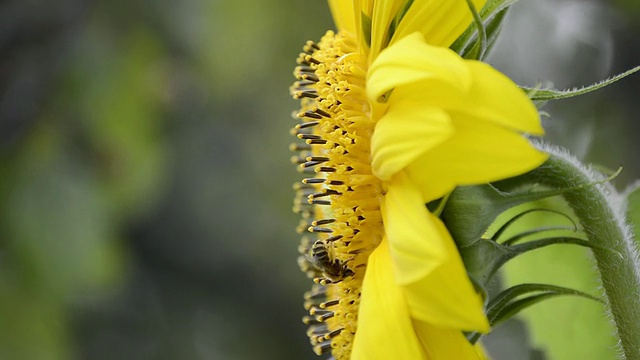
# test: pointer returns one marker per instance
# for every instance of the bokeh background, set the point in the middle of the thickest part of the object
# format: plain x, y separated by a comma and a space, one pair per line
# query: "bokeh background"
145, 183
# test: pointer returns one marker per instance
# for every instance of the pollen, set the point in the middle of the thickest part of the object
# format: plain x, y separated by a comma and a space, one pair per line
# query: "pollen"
339, 198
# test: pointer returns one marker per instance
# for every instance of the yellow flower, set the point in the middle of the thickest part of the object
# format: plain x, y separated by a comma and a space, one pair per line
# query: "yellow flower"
392, 119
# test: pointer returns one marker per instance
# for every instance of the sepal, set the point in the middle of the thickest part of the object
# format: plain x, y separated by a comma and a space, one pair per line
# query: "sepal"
479, 38
485, 256
470, 210
511, 301
586, 197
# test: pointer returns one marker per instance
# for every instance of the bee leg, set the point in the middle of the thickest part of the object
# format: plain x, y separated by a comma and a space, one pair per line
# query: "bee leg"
347, 272
325, 281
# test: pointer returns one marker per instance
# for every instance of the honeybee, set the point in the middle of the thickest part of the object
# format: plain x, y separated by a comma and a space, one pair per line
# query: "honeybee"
334, 270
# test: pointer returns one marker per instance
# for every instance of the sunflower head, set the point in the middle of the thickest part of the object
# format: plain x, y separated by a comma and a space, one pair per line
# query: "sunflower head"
391, 119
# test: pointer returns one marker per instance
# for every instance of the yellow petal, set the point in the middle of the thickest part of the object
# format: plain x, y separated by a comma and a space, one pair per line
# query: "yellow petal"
383, 13
441, 22
431, 183
439, 77
482, 354
410, 232
343, 15
364, 6
445, 296
494, 97
404, 133
479, 152
430, 92
385, 330
443, 343
411, 60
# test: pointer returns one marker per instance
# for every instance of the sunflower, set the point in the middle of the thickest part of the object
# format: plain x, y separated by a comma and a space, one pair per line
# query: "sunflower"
392, 119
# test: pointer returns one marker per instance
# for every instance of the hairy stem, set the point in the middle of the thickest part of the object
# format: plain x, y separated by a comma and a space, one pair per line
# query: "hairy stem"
605, 228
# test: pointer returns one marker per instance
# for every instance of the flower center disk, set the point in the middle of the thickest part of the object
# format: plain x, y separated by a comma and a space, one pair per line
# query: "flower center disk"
339, 199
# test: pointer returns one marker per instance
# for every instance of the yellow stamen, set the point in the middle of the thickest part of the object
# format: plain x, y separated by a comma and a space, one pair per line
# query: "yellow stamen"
341, 203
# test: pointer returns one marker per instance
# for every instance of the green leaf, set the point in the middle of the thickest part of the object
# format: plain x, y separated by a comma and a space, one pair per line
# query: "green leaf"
485, 257
537, 244
481, 48
494, 27
506, 304
509, 303
553, 94
481, 34
495, 6
512, 240
491, 9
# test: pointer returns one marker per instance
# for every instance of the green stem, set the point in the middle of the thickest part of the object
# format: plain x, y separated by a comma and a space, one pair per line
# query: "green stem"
605, 228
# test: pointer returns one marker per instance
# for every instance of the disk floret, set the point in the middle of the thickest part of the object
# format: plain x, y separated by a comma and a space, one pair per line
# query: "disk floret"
339, 199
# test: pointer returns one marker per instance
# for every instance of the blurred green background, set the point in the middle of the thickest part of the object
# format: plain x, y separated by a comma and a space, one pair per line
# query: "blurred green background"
145, 183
